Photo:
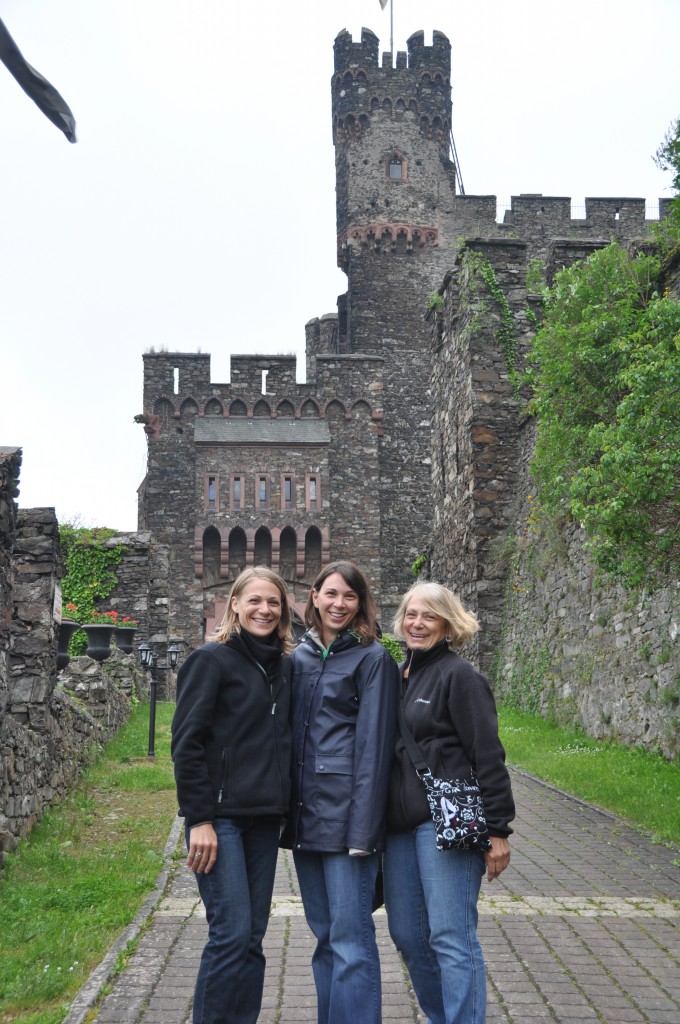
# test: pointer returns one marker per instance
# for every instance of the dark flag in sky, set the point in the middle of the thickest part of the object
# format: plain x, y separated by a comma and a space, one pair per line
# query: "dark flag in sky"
37, 87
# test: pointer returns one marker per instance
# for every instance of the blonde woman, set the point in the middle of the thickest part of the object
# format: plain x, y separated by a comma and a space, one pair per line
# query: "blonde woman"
231, 749
431, 895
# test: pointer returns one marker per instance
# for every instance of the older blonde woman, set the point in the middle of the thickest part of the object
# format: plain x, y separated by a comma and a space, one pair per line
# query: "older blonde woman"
231, 748
431, 895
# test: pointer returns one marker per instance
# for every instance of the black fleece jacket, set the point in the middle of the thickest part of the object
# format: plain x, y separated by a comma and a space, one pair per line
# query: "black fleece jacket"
230, 733
450, 710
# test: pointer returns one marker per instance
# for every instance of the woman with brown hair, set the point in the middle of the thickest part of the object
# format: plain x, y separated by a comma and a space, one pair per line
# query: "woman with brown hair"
345, 688
231, 749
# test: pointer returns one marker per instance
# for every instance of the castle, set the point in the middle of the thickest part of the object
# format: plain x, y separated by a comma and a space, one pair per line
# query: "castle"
406, 440
265, 470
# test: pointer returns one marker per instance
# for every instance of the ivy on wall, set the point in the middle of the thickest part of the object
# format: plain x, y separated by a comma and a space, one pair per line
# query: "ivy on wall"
89, 576
506, 336
605, 377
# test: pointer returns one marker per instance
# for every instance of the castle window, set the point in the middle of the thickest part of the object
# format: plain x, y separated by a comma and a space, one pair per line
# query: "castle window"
262, 492
287, 492
312, 489
236, 492
262, 548
396, 167
212, 493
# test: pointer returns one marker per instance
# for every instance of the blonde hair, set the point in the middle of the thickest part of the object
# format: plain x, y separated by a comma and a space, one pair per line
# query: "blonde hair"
460, 624
230, 623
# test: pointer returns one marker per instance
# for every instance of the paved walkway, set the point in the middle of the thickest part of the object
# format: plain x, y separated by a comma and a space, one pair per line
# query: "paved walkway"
583, 926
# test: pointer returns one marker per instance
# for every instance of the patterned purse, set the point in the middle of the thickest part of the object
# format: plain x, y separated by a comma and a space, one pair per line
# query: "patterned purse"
455, 805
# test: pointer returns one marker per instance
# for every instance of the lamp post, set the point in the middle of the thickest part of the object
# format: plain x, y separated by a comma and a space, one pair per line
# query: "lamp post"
148, 657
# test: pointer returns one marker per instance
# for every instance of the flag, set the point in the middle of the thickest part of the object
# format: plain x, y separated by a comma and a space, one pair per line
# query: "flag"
38, 88
383, 3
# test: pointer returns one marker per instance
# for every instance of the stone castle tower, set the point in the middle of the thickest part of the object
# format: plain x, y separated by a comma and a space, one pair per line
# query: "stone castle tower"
266, 470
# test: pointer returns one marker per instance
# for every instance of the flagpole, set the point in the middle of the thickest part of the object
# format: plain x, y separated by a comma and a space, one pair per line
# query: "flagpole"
392, 28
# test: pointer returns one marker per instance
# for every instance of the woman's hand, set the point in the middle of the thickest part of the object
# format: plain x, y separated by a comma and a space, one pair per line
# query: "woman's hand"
202, 849
497, 858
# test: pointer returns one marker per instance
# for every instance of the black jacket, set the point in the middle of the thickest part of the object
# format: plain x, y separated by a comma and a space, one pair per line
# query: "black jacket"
344, 727
231, 734
450, 710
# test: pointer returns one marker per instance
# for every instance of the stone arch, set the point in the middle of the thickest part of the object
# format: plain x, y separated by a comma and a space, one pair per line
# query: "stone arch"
375, 103
188, 409
212, 556
361, 78
262, 550
312, 553
238, 546
413, 106
213, 407
348, 80
262, 408
165, 410
288, 554
361, 410
309, 408
387, 105
238, 408
285, 410
335, 411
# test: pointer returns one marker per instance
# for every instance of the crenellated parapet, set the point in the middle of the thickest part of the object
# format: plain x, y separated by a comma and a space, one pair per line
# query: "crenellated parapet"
418, 87
178, 390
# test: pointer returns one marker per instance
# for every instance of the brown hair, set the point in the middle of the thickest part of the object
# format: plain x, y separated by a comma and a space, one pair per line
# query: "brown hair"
364, 622
460, 624
230, 624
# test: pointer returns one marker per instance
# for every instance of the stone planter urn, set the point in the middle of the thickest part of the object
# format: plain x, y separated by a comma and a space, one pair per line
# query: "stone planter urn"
99, 640
67, 628
124, 639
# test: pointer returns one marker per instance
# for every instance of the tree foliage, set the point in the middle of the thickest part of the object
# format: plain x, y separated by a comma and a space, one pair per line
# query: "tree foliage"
606, 391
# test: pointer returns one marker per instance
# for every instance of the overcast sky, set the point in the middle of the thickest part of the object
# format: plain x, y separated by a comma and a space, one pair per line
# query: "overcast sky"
197, 209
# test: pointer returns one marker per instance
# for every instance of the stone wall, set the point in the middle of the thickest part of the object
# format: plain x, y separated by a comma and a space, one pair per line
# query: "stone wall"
553, 639
48, 727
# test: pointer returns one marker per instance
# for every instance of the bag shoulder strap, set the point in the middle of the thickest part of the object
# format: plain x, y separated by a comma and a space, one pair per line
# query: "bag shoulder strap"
412, 748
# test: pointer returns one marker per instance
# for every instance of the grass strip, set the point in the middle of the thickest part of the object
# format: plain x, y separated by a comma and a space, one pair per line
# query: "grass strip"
80, 877
636, 784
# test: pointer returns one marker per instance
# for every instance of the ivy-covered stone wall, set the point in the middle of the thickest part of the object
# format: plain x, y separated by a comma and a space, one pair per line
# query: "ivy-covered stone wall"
553, 638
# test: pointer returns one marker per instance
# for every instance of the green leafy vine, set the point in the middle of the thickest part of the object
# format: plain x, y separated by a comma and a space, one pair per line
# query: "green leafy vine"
89, 576
505, 335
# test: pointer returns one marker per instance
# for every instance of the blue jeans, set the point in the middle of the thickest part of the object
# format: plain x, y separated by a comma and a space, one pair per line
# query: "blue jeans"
337, 894
431, 902
237, 895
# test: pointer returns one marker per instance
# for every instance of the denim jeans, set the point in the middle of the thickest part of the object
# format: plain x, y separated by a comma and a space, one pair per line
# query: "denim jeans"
237, 895
431, 902
337, 895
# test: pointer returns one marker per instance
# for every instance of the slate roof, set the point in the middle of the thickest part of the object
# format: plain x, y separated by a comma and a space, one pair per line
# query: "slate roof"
239, 430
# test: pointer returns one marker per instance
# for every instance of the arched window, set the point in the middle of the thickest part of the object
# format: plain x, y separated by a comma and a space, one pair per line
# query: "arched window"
237, 408
262, 409
312, 553
212, 549
237, 551
213, 408
288, 554
263, 547
188, 409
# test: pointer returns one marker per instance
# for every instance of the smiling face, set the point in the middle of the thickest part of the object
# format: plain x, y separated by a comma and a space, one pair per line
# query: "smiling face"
422, 627
337, 605
258, 607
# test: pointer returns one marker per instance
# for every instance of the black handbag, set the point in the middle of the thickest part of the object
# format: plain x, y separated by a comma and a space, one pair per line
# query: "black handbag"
455, 805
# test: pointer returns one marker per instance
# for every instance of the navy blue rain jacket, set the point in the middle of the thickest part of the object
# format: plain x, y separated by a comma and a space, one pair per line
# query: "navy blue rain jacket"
344, 715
